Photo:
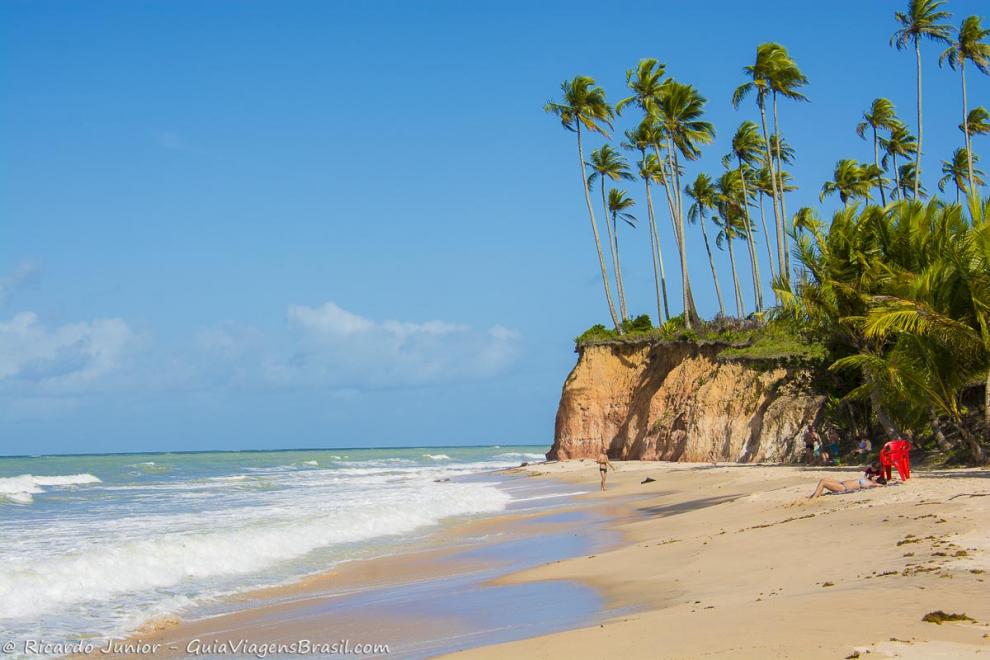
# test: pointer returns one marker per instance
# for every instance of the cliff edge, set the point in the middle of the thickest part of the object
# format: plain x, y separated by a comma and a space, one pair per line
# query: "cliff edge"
679, 401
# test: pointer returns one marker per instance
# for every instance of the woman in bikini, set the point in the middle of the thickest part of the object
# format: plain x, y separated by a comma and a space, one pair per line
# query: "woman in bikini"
849, 485
603, 465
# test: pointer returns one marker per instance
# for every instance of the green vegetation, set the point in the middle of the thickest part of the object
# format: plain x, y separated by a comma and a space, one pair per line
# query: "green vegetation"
891, 298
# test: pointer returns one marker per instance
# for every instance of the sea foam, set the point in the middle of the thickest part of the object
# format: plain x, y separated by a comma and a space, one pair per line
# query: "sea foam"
21, 489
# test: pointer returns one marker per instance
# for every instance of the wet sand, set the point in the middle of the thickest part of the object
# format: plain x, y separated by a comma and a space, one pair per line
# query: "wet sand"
441, 597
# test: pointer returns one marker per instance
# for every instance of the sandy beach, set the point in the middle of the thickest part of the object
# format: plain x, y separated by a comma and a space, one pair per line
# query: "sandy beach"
704, 561
735, 561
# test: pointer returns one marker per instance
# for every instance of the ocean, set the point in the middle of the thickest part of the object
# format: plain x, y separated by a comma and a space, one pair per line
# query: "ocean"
96, 545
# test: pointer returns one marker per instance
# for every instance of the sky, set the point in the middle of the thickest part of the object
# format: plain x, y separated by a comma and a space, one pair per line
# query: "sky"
249, 225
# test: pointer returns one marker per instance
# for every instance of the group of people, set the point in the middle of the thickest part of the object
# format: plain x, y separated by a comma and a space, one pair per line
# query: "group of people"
829, 451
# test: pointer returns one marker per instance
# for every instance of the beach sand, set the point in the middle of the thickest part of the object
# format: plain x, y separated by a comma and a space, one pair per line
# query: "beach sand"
705, 561
735, 561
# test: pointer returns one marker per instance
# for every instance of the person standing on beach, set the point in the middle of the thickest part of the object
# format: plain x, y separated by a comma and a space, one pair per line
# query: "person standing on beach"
603, 465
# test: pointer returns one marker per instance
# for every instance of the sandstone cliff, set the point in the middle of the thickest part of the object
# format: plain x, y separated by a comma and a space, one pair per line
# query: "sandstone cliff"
677, 401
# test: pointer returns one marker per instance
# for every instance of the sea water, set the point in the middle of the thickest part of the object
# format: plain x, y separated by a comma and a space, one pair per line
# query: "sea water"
96, 545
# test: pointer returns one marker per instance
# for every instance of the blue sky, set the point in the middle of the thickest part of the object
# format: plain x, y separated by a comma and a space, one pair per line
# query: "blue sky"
266, 224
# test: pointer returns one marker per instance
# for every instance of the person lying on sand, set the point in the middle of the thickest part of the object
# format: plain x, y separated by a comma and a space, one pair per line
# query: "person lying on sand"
603, 465
847, 486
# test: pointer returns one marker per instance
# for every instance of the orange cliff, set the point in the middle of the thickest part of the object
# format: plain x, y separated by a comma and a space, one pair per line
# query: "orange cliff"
679, 401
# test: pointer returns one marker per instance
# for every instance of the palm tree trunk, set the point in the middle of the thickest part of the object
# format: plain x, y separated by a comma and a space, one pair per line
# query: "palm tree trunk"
889, 427
594, 229
613, 248
773, 193
757, 281
735, 276
766, 240
897, 178
711, 262
969, 144
623, 310
659, 277
780, 191
876, 161
690, 312
972, 442
917, 156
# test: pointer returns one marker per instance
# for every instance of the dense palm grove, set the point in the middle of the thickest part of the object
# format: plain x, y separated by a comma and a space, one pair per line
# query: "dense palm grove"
895, 289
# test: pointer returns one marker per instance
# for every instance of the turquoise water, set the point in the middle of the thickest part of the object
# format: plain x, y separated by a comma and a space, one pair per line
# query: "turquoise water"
98, 544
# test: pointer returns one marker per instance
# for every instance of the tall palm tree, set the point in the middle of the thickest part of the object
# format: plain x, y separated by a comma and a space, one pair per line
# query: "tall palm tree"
920, 21
879, 117
961, 171
786, 79
970, 44
770, 74
619, 204
584, 106
731, 221
645, 82
650, 171
745, 153
679, 111
899, 142
850, 180
607, 163
705, 197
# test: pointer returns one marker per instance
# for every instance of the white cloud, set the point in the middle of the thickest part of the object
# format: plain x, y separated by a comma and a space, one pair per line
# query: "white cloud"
62, 357
338, 348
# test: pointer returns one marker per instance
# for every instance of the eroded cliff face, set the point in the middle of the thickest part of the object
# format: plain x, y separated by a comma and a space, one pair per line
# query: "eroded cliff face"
676, 402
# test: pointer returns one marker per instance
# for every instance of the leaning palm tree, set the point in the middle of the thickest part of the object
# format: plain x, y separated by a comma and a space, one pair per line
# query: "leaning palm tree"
619, 204
970, 44
705, 197
650, 171
584, 106
679, 110
900, 142
879, 117
850, 180
607, 163
920, 21
961, 171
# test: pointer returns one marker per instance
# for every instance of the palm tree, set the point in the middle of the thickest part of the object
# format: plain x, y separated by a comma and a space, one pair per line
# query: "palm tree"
645, 82
746, 154
960, 171
969, 45
679, 110
920, 21
900, 142
785, 80
908, 176
850, 180
650, 171
731, 222
584, 105
619, 204
760, 73
977, 121
607, 163
880, 116
705, 197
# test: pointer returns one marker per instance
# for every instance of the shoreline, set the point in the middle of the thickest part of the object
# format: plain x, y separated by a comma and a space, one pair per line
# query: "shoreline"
457, 568
731, 559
